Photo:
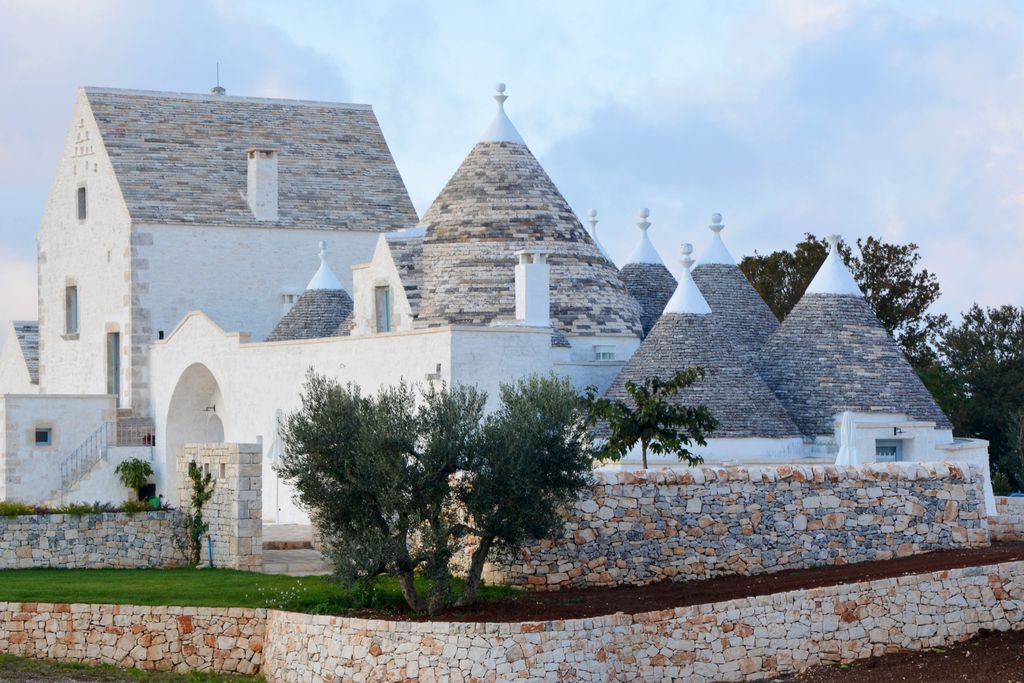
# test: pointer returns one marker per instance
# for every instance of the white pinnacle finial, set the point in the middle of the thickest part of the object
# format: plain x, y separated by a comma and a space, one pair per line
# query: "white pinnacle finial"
833, 241
323, 251
686, 250
644, 252
834, 277
325, 277
687, 297
643, 223
717, 252
592, 219
501, 128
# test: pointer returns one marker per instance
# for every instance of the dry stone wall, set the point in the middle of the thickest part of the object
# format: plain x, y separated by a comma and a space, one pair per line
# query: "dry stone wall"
141, 540
221, 639
737, 640
1008, 522
643, 527
235, 512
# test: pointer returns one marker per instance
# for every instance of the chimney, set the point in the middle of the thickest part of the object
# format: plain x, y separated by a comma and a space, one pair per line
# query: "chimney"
533, 289
262, 183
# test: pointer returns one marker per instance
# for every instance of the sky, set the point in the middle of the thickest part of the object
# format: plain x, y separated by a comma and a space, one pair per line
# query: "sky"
902, 120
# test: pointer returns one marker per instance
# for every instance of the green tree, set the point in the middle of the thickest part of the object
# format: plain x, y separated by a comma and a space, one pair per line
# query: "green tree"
890, 275
134, 473
195, 525
653, 418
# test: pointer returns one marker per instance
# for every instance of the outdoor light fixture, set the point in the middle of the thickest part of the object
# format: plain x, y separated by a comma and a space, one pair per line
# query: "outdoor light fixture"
896, 431
211, 409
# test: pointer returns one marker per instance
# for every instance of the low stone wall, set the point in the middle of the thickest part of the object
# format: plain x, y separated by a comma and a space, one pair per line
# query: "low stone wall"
221, 639
644, 527
140, 540
737, 640
1008, 522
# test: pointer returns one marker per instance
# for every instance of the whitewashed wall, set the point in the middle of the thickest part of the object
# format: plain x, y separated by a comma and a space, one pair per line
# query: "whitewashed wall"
380, 271
14, 377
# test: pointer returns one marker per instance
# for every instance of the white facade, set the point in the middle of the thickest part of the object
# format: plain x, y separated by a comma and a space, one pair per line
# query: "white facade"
14, 374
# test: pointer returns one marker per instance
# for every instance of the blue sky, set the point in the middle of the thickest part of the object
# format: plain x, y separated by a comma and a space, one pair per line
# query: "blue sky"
902, 120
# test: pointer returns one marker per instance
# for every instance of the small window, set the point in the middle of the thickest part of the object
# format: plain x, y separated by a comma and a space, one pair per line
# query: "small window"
604, 352
81, 204
382, 307
44, 437
71, 310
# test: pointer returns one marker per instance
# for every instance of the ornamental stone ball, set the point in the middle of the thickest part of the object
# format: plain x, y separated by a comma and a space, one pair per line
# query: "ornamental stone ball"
500, 87
716, 222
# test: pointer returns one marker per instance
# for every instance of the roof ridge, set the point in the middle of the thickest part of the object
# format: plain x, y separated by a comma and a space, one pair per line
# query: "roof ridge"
204, 97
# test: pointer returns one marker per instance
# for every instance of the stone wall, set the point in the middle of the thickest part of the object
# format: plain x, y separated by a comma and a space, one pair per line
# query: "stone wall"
235, 512
745, 639
221, 639
141, 540
644, 527
1008, 522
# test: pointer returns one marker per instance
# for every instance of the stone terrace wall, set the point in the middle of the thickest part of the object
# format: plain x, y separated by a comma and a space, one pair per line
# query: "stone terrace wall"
644, 527
1008, 522
235, 512
144, 539
736, 640
220, 639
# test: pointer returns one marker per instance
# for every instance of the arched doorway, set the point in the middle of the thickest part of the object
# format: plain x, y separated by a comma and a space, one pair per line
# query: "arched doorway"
191, 418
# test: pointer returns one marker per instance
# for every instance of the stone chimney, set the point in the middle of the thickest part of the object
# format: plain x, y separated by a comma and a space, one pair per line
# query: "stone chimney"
533, 289
261, 192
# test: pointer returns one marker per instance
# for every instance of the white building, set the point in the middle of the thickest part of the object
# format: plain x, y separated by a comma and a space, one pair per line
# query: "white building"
175, 251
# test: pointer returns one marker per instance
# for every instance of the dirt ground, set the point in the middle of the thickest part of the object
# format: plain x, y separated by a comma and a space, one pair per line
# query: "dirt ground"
591, 602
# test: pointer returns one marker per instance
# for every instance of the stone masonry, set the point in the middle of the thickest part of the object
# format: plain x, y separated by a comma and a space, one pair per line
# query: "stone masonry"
644, 527
1008, 522
235, 511
140, 540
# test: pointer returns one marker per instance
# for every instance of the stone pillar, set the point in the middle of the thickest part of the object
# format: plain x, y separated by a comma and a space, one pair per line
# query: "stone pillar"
235, 512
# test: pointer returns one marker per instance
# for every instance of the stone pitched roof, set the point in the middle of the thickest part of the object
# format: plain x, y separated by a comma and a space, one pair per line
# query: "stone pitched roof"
731, 389
742, 314
27, 334
181, 158
651, 284
498, 202
831, 354
318, 313
407, 253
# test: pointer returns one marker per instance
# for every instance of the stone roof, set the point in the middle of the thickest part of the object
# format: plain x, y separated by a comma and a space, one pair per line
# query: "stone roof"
742, 314
27, 334
831, 354
407, 253
731, 389
498, 202
318, 313
181, 158
651, 284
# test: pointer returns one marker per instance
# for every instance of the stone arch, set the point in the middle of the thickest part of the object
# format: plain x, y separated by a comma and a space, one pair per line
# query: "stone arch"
193, 416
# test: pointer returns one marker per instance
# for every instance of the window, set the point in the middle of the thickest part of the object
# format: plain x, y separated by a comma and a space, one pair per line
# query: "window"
888, 450
44, 437
71, 310
81, 204
382, 307
604, 352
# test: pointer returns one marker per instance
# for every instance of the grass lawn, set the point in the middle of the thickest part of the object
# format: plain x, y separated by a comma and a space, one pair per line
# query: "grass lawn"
36, 670
202, 588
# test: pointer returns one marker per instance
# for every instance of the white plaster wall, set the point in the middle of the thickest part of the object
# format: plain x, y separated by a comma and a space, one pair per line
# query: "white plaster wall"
726, 452
380, 271
14, 377
93, 254
103, 484
31, 473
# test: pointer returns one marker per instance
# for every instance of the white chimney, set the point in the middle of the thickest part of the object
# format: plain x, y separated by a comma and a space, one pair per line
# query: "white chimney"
533, 289
262, 183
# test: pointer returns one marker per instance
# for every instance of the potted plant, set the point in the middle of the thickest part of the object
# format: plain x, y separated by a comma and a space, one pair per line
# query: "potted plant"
134, 474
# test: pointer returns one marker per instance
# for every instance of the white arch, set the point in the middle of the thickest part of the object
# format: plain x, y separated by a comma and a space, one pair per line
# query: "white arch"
192, 417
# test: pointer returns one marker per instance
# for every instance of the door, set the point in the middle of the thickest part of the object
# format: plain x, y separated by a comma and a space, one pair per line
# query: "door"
888, 450
114, 365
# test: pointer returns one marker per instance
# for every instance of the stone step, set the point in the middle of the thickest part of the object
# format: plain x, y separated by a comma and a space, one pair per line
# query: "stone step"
287, 545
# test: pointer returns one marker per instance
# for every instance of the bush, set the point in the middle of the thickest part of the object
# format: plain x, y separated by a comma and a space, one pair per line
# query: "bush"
134, 473
9, 508
1001, 485
396, 482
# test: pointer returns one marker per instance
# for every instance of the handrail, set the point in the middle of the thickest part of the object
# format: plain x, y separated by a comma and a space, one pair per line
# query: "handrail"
92, 451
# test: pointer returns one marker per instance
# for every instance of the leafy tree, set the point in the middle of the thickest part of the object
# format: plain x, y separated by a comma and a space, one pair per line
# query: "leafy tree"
899, 290
984, 358
653, 419
396, 482
195, 525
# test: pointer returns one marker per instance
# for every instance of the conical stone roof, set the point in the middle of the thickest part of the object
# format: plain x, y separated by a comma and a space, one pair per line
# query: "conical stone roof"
501, 201
831, 354
317, 313
685, 337
647, 278
742, 314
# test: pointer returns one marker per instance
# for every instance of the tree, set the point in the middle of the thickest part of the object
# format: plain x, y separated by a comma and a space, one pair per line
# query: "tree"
195, 525
652, 418
984, 358
397, 481
899, 290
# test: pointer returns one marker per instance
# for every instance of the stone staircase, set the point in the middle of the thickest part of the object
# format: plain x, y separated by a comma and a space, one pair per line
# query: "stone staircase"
288, 549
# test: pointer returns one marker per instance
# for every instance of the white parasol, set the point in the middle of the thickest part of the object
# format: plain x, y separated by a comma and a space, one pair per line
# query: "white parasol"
847, 451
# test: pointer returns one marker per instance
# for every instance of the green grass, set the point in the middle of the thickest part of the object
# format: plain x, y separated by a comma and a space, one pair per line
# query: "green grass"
23, 669
203, 588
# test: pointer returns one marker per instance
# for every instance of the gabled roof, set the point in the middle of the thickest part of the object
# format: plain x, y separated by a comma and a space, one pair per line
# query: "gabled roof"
498, 202
27, 334
831, 354
318, 313
181, 159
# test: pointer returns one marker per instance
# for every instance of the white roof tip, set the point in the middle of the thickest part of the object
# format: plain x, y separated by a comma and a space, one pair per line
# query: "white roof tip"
717, 252
687, 297
592, 219
501, 128
834, 277
325, 277
644, 252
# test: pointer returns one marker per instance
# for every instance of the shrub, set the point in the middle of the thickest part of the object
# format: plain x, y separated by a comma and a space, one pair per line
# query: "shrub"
134, 473
135, 506
1001, 485
195, 526
9, 508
